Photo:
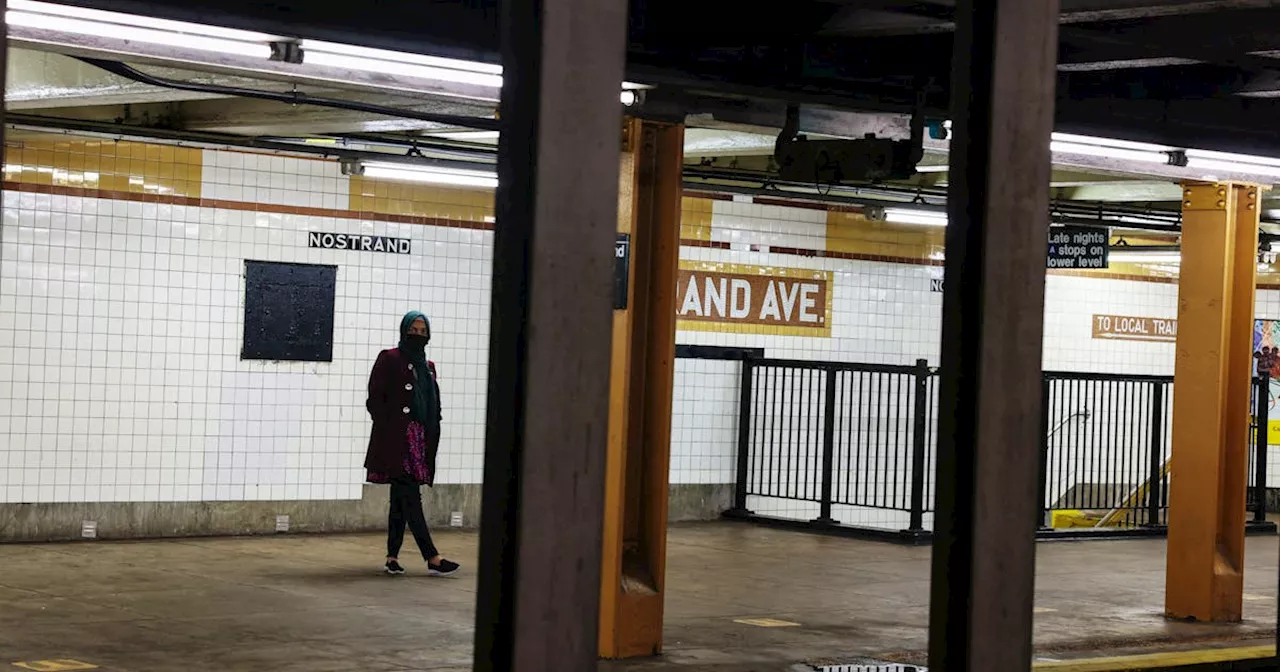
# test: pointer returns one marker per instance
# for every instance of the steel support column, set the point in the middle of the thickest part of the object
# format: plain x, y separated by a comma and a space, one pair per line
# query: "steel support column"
547, 410
633, 577
992, 324
1212, 379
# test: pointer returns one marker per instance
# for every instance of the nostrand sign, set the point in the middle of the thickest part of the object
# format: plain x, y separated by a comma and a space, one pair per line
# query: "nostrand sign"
753, 299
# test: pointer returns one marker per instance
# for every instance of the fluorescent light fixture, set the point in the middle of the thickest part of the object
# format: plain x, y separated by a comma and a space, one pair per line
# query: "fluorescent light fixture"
1108, 142
914, 216
132, 27
351, 57
335, 48
933, 169
469, 136
431, 175
1135, 219
1134, 257
1206, 155
229, 41
1104, 151
1198, 159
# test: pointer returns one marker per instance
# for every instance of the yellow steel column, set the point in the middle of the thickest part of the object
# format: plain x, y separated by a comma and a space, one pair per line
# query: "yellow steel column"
635, 528
1211, 401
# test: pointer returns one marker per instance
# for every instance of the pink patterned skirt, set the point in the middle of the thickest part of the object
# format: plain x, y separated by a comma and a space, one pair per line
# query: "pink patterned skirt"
415, 459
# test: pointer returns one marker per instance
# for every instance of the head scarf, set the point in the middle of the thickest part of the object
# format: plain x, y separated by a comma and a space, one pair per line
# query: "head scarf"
425, 408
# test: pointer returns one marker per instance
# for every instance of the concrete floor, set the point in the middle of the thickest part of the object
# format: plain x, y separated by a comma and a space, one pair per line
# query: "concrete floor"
318, 603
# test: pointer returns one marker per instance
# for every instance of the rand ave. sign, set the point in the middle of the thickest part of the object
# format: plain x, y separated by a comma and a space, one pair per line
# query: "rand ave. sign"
754, 299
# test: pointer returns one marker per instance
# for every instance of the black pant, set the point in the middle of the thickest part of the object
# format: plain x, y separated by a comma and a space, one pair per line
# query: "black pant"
406, 507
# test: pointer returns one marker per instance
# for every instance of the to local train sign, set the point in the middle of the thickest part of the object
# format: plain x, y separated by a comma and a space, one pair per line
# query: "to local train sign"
1121, 327
754, 299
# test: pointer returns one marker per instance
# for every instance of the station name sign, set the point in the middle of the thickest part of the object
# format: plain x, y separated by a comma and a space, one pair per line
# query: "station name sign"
733, 297
357, 242
1124, 328
1077, 247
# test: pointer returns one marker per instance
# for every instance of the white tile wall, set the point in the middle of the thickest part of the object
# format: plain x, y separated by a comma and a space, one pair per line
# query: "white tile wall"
120, 329
120, 325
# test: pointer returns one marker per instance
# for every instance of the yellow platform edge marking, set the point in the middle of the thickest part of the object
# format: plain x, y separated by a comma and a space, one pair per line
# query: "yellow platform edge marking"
58, 665
1044, 610
766, 622
1158, 660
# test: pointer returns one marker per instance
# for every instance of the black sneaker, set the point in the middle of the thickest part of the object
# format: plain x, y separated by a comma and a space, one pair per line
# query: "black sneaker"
445, 568
394, 568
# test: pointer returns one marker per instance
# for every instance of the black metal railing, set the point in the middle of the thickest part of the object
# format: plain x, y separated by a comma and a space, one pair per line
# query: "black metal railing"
853, 445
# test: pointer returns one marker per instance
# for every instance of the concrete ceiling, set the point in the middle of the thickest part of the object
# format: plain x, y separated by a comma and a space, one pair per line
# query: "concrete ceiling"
55, 85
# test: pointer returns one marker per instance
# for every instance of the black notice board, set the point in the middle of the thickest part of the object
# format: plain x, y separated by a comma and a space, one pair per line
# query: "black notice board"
621, 270
288, 311
1078, 247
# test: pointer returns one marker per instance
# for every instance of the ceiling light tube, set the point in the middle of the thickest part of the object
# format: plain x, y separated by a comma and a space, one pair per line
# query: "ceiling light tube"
429, 175
147, 30
1132, 256
1234, 167
915, 216
336, 55
401, 67
1202, 155
1108, 142
1145, 156
338, 49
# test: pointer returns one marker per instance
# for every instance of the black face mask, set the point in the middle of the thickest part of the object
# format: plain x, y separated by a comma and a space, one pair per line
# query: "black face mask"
416, 342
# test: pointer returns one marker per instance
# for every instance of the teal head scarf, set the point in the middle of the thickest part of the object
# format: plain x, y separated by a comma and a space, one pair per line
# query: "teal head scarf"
425, 408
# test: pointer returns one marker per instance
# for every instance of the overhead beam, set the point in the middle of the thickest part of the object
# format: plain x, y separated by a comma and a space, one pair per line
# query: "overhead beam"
899, 17
992, 325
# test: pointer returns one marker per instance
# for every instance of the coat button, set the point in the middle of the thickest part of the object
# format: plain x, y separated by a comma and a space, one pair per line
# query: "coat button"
408, 386
410, 367
404, 410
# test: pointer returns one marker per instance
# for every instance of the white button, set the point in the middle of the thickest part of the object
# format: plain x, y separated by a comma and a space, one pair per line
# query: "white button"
408, 386
405, 409
410, 367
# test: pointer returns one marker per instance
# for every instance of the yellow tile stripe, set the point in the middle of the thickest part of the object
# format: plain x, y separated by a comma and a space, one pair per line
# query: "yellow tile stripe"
695, 218
851, 232
420, 200
1159, 660
132, 167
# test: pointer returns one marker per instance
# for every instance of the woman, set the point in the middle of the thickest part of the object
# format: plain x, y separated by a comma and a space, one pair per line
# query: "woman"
404, 402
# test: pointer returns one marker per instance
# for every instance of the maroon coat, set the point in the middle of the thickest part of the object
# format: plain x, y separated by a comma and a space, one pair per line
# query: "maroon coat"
390, 395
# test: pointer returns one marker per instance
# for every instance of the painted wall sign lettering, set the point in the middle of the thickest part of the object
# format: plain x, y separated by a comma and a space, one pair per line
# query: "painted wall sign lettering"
353, 241
935, 284
1124, 328
755, 299
621, 270
1077, 247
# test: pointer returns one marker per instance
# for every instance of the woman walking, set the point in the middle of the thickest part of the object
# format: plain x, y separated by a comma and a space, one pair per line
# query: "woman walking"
404, 402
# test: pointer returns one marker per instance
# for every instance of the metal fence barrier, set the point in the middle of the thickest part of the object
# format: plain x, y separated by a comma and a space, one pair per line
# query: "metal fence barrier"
846, 446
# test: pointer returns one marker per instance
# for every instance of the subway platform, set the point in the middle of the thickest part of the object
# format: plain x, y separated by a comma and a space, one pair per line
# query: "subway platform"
740, 597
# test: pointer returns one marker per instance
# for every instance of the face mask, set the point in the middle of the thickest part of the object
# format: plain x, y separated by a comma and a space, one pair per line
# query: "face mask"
417, 342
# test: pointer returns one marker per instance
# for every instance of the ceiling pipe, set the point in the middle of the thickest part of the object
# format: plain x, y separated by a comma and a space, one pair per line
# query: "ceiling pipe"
873, 195
207, 140
292, 97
